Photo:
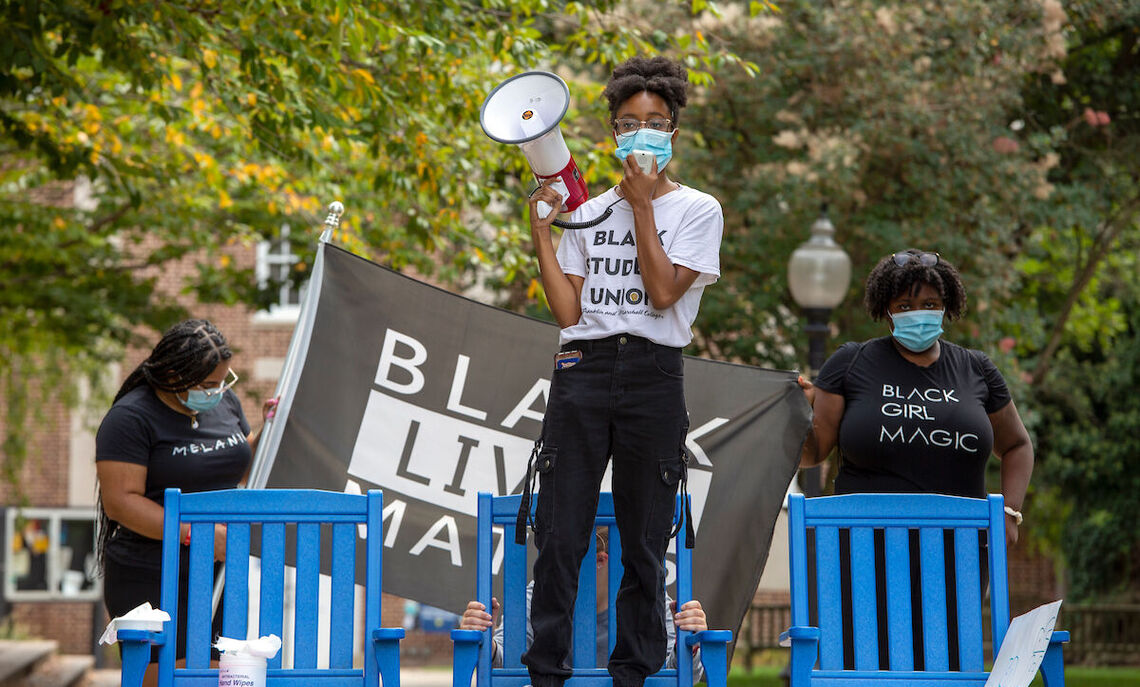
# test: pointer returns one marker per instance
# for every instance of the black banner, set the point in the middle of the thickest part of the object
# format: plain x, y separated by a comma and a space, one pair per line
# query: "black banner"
433, 398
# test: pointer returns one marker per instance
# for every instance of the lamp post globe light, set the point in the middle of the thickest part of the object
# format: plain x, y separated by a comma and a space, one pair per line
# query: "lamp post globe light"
818, 274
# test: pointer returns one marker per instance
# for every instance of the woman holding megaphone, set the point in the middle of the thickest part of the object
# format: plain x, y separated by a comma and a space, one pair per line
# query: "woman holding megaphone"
625, 293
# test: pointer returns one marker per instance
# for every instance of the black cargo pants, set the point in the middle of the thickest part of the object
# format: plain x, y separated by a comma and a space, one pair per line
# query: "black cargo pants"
624, 397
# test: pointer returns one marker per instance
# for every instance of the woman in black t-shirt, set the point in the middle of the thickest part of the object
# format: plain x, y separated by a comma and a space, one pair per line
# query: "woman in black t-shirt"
911, 412
174, 423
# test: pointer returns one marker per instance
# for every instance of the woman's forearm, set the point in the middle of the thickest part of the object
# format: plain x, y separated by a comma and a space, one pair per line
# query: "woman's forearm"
135, 512
561, 294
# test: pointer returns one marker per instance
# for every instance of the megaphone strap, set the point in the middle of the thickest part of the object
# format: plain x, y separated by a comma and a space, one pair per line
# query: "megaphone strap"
562, 224
588, 223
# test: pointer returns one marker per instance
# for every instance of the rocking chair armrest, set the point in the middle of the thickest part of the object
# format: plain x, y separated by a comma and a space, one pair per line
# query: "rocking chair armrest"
387, 634
708, 636
467, 637
465, 656
1059, 637
798, 633
387, 641
713, 645
152, 638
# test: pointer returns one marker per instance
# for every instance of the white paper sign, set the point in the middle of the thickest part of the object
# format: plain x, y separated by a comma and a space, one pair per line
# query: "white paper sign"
1024, 647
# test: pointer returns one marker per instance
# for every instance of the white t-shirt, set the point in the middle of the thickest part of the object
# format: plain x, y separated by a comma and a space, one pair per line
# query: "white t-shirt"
614, 300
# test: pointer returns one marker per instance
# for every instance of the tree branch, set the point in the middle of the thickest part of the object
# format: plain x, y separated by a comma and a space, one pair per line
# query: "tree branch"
1103, 243
115, 216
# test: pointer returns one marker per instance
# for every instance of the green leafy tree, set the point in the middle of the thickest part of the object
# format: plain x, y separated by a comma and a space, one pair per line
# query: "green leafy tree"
1074, 330
1089, 456
194, 129
896, 115
1001, 134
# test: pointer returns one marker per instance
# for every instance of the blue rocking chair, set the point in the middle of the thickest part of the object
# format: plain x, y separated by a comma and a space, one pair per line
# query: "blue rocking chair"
856, 520
473, 648
275, 516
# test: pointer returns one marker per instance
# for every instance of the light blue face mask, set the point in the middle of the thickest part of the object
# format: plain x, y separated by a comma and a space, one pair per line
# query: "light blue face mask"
660, 143
917, 330
199, 401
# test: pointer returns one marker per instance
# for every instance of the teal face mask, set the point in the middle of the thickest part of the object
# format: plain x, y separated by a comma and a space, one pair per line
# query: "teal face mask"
199, 401
917, 330
660, 143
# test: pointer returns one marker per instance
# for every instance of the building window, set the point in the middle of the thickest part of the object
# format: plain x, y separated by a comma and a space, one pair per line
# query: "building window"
275, 261
49, 555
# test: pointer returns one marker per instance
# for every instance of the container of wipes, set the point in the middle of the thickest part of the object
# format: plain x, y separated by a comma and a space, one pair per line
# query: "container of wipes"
243, 662
236, 670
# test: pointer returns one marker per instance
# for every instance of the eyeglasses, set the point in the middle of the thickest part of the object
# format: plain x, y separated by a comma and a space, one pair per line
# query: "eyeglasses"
228, 382
627, 125
924, 259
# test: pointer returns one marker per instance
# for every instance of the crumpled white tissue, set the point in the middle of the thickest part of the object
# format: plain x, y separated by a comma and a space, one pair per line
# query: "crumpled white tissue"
141, 617
262, 647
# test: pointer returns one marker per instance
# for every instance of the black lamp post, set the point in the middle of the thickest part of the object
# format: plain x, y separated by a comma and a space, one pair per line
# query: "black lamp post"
818, 274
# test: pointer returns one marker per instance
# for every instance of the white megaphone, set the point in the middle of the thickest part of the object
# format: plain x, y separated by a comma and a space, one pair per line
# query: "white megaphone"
525, 111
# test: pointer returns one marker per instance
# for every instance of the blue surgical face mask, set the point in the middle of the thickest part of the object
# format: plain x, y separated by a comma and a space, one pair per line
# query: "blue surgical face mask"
917, 330
199, 401
660, 143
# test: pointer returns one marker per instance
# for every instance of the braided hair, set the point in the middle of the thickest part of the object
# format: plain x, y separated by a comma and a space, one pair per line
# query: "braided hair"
659, 75
183, 358
888, 280
185, 355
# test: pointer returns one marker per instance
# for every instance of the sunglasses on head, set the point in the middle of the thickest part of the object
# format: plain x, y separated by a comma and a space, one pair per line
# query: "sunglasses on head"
924, 259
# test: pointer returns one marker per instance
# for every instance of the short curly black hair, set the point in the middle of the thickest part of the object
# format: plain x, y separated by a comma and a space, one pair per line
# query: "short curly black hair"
658, 75
888, 280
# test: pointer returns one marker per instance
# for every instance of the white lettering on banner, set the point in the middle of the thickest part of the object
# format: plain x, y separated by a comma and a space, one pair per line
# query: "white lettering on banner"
497, 533
451, 544
419, 355
395, 509
691, 439
434, 457
523, 409
392, 509
458, 381
410, 365
445, 461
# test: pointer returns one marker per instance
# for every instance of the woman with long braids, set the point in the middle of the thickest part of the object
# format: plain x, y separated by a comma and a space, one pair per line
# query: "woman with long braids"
174, 423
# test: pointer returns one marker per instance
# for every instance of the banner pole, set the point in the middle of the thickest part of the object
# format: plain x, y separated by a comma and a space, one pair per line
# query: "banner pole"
291, 369
290, 376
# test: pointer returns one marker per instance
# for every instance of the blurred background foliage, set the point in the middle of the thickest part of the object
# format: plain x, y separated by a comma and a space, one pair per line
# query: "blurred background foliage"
1004, 134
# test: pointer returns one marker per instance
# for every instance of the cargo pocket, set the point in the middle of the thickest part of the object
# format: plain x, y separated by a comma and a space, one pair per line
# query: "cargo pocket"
544, 466
664, 490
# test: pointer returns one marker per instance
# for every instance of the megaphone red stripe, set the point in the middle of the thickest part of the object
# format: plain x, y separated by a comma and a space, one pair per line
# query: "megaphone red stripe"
525, 110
